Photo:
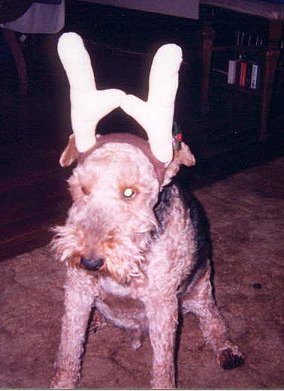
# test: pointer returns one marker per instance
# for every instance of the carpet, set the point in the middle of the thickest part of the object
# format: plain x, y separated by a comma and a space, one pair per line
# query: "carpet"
246, 214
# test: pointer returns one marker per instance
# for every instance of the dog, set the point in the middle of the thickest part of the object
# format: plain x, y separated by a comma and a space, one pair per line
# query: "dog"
132, 232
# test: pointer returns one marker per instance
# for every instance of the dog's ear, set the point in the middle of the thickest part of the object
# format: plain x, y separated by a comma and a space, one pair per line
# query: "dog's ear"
182, 156
70, 153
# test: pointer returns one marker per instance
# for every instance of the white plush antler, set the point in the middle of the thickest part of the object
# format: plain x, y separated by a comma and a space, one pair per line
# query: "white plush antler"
156, 115
88, 105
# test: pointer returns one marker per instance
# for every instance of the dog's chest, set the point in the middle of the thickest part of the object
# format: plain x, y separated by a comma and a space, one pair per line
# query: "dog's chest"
119, 301
109, 286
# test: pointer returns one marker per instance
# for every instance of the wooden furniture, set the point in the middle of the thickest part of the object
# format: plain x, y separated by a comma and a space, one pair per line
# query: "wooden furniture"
182, 8
29, 17
17, 53
268, 19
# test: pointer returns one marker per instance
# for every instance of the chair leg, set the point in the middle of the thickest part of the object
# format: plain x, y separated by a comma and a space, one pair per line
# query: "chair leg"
207, 39
14, 46
271, 59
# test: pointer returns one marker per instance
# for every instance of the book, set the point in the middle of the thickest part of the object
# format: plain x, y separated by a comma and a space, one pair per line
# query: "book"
255, 76
232, 71
243, 73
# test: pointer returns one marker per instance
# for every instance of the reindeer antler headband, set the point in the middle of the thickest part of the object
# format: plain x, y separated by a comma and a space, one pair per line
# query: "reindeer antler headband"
89, 105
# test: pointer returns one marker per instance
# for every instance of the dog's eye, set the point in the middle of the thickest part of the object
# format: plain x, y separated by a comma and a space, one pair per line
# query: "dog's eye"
128, 192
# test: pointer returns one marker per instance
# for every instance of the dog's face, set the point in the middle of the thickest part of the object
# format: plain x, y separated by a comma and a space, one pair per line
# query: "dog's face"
111, 220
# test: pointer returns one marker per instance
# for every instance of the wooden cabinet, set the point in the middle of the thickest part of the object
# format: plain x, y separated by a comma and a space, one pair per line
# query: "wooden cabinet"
243, 108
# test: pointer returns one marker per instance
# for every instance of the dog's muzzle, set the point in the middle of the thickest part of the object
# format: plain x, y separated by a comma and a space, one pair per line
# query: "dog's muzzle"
92, 264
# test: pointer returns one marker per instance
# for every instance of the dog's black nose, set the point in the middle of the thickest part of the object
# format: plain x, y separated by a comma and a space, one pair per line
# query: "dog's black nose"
92, 264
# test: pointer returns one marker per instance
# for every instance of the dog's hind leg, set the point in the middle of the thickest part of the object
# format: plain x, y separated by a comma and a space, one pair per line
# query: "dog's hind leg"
201, 302
79, 297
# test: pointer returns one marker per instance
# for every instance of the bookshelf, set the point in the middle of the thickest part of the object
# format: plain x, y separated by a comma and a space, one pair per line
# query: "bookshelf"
245, 52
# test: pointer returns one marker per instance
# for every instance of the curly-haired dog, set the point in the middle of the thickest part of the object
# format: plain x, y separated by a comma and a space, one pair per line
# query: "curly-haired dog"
132, 232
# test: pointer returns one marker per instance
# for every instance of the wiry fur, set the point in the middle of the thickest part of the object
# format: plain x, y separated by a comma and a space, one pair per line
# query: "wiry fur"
156, 254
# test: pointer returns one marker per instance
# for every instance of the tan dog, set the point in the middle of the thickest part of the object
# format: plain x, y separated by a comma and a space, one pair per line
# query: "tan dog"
133, 233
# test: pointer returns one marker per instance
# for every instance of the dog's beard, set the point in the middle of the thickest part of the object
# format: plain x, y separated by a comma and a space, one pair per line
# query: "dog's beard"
123, 248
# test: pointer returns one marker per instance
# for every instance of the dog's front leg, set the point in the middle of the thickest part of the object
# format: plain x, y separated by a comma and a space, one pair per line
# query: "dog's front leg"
79, 297
162, 313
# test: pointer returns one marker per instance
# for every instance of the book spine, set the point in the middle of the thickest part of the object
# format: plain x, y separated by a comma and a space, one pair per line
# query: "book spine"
255, 76
232, 71
243, 74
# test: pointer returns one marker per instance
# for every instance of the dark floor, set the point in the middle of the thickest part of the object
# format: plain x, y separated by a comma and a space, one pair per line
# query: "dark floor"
33, 130
246, 213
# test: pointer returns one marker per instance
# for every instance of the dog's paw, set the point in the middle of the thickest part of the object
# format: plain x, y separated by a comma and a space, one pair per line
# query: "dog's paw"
97, 323
137, 336
136, 344
63, 381
229, 359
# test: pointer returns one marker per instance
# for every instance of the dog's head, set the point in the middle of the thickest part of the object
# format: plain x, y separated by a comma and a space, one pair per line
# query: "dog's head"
117, 180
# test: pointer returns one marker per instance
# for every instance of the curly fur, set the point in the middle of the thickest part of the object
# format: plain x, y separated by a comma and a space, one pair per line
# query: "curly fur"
155, 246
